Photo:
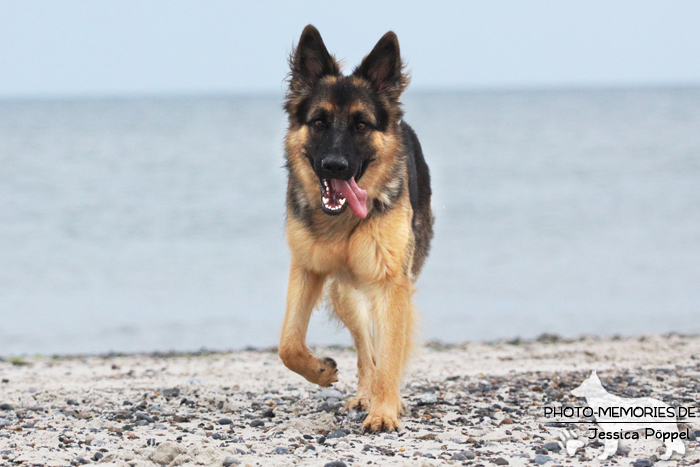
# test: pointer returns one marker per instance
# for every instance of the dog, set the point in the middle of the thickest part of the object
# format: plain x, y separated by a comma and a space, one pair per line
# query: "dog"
359, 221
614, 428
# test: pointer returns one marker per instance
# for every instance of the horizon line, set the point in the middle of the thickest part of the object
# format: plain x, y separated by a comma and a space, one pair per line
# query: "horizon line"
253, 93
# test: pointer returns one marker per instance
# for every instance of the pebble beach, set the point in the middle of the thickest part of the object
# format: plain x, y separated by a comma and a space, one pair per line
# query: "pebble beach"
476, 404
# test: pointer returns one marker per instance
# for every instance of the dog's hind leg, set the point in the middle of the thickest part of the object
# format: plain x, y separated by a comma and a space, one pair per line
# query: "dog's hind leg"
303, 292
349, 305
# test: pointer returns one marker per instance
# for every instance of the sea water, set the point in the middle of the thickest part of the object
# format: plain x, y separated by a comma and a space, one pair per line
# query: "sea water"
158, 223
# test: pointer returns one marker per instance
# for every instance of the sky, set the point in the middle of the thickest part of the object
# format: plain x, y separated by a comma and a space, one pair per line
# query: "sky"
80, 48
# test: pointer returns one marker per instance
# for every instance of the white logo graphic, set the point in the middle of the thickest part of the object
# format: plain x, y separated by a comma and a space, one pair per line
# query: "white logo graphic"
617, 416
570, 442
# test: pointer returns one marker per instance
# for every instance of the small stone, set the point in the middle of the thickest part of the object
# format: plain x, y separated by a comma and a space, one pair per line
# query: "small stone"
486, 421
224, 421
458, 457
501, 461
174, 392
355, 416
97, 456
330, 393
468, 454
256, 423
321, 439
643, 463
79, 461
542, 459
485, 386
281, 450
329, 407
429, 398
335, 464
337, 434
552, 447
166, 452
6, 406
506, 421
623, 449
143, 416
556, 424
228, 461
268, 414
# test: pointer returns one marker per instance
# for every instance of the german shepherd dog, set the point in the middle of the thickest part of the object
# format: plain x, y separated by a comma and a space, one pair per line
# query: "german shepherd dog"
348, 147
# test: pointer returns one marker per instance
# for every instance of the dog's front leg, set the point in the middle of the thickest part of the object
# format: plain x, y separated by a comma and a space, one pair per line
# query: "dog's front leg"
392, 315
349, 307
303, 292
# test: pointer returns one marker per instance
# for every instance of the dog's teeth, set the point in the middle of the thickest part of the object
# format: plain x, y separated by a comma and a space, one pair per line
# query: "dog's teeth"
342, 201
325, 201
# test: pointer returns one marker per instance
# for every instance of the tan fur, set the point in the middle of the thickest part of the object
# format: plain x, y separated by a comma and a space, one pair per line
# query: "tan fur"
368, 263
368, 258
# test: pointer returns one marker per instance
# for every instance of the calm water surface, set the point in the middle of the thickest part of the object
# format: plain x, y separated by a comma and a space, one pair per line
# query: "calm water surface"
143, 224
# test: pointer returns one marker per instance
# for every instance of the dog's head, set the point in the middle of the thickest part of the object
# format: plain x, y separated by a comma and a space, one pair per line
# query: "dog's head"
342, 125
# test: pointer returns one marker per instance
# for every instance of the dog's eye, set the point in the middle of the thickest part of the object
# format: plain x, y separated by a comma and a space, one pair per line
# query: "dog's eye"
318, 123
362, 126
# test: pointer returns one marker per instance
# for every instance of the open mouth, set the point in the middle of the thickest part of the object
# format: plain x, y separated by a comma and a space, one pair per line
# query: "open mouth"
337, 195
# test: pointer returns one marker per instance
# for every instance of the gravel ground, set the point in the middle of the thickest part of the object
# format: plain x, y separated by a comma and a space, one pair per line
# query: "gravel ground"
471, 404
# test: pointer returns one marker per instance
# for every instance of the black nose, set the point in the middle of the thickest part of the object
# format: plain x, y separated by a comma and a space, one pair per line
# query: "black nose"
334, 165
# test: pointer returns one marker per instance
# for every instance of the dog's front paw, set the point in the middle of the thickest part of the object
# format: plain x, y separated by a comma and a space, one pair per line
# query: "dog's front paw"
327, 372
358, 403
381, 421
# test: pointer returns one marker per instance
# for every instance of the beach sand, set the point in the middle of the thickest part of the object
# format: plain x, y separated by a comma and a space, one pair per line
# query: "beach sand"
470, 404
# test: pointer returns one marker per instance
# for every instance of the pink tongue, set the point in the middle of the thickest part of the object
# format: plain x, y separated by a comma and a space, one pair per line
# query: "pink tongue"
355, 196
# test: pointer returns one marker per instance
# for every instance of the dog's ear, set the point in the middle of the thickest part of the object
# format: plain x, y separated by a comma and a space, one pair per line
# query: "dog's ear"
383, 67
310, 60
